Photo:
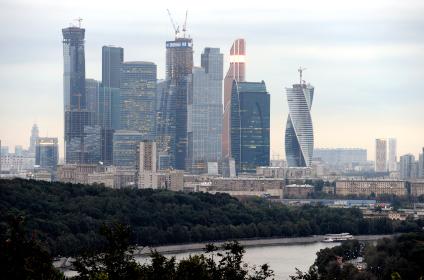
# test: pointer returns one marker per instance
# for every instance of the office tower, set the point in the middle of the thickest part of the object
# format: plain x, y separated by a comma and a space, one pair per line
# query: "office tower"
421, 165
299, 136
92, 89
205, 112
341, 156
47, 153
33, 138
125, 145
19, 150
146, 166
380, 155
112, 58
165, 124
76, 114
250, 126
392, 155
407, 169
236, 72
92, 144
138, 98
179, 65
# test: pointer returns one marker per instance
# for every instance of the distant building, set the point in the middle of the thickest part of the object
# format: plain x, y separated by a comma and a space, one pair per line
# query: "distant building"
205, 112
92, 89
284, 172
417, 188
299, 136
421, 165
341, 156
125, 145
236, 72
138, 98
380, 155
112, 58
19, 150
250, 126
33, 138
371, 187
47, 153
297, 191
407, 168
392, 157
146, 163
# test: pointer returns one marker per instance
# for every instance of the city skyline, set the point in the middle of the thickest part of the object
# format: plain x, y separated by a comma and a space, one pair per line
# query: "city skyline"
393, 113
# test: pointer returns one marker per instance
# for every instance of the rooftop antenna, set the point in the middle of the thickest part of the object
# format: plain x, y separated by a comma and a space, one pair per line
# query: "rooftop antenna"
176, 27
300, 70
79, 20
185, 24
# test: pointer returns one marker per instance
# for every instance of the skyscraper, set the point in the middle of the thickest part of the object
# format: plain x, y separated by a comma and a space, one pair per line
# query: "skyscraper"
236, 72
146, 163
179, 65
380, 155
299, 136
407, 167
47, 153
392, 159
33, 138
125, 145
92, 90
76, 114
250, 125
421, 165
205, 111
138, 98
112, 58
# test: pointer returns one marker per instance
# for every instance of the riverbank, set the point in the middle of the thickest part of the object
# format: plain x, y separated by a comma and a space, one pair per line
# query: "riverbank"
197, 247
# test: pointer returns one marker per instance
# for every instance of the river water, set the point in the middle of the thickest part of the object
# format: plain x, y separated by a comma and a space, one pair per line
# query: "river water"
283, 259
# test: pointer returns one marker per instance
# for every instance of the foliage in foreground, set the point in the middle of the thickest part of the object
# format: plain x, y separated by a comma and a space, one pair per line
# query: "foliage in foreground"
117, 262
67, 217
396, 258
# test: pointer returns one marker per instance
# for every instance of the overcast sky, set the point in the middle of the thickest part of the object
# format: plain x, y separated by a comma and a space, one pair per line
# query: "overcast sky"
365, 59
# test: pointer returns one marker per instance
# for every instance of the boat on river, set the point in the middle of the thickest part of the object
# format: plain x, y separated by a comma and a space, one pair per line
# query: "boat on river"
338, 237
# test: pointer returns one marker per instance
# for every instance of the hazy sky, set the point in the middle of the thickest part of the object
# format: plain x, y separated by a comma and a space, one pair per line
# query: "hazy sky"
365, 59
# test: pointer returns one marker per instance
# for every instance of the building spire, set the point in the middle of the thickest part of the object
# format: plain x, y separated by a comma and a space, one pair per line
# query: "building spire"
300, 70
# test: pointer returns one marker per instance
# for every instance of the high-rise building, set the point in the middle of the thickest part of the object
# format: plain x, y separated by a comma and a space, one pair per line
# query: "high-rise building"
92, 89
250, 126
406, 164
147, 165
33, 138
77, 116
165, 124
138, 98
236, 72
205, 112
392, 155
47, 153
299, 136
179, 65
125, 145
380, 155
19, 150
421, 165
341, 156
112, 58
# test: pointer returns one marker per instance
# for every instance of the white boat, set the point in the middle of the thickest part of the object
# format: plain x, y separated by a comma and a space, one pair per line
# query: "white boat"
337, 237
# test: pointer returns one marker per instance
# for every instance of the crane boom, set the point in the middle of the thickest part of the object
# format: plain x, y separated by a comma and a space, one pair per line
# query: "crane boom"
176, 27
185, 24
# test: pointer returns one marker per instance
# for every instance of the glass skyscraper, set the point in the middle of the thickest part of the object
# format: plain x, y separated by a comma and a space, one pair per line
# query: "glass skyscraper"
47, 153
125, 145
250, 126
205, 111
77, 116
236, 72
112, 58
138, 98
299, 137
179, 65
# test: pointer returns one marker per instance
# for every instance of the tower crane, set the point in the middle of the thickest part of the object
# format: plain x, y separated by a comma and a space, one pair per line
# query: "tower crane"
176, 27
185, 24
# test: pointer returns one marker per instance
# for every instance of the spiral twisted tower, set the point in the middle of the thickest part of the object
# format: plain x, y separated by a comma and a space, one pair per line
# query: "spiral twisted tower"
299, 137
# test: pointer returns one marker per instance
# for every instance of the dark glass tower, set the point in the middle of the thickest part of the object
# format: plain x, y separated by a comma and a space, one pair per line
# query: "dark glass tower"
179, 65
138, 98
250, 125
47, 153
112, 58
77, 116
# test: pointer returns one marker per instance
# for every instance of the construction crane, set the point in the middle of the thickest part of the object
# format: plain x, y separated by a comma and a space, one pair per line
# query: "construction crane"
185, 24
300, 70
176, 27
79, 20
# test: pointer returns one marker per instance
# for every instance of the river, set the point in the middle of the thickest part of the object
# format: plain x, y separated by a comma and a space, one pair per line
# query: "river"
283, 259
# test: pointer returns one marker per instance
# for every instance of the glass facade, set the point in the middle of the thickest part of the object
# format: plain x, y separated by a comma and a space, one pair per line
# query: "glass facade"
125, 145
299, 136
205, 112
92, 89
47, 153
179, 65
250, 126
112, 58
236, 72
138, 98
